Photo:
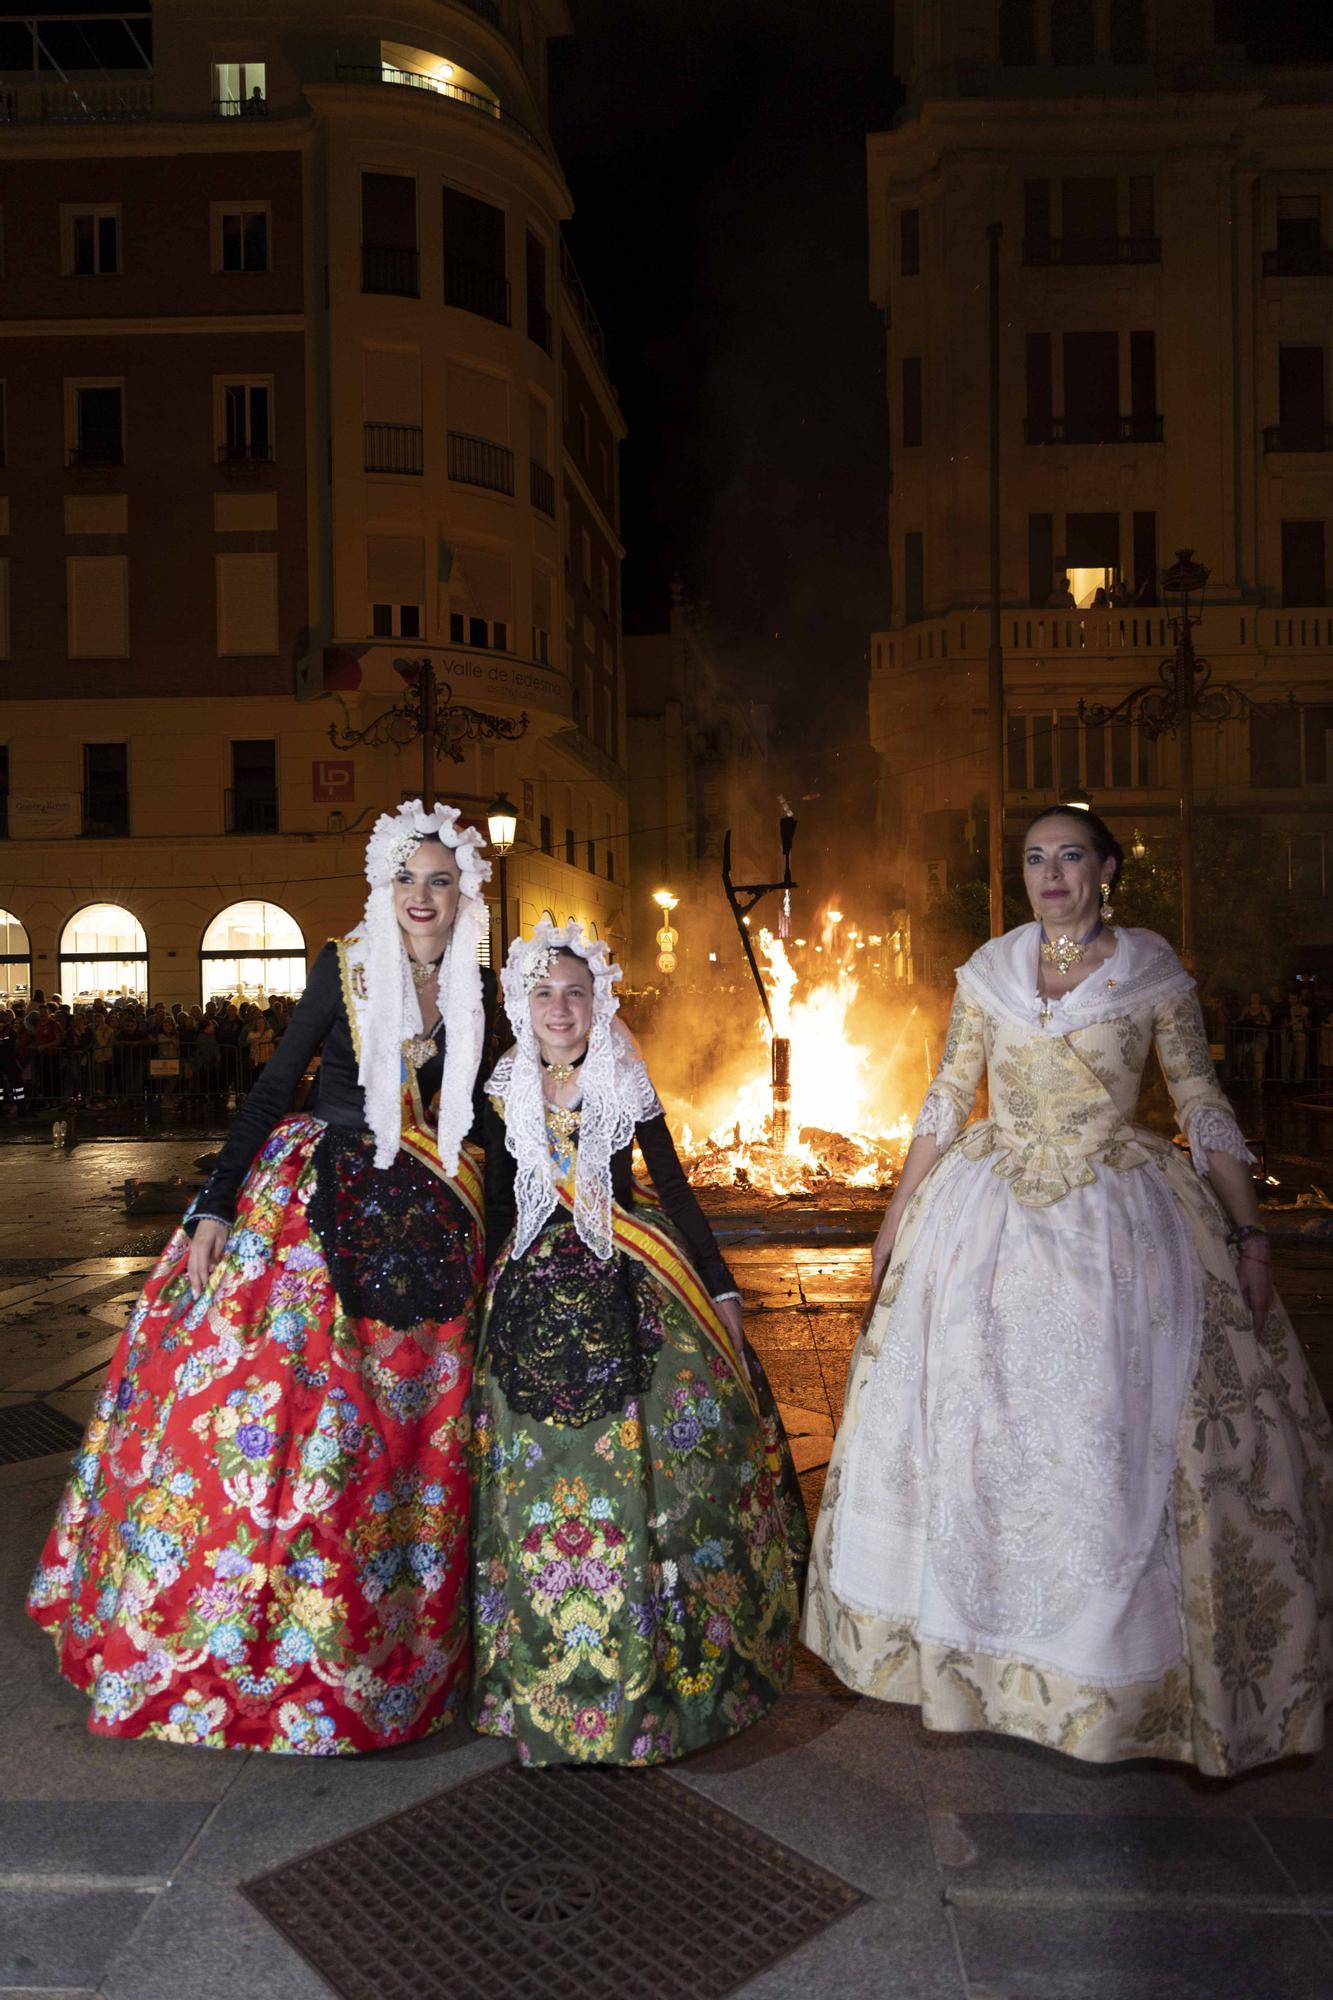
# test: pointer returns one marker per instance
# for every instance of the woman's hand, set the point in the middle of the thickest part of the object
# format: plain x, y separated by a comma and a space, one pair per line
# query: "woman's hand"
210, 1240
882, 1251
731, 1316
1254, 1275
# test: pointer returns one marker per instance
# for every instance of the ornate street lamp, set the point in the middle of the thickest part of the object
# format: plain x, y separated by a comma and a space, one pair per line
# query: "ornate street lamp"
501, 831
1183, 693
428, 710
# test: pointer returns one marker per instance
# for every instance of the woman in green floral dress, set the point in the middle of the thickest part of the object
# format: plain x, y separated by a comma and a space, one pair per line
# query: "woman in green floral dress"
639, 1534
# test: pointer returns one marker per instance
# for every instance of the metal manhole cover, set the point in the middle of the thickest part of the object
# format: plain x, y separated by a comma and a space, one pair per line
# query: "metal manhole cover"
551, 1885
549, 1892
31, 1430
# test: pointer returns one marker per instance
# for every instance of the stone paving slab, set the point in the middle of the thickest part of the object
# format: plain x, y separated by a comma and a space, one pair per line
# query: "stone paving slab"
1078, 1953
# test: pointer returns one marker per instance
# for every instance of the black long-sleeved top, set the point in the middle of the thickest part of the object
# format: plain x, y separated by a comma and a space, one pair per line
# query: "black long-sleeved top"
668, 1177
320, 1021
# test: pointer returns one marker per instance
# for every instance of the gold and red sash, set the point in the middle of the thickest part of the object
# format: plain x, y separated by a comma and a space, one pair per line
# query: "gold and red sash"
654, 1248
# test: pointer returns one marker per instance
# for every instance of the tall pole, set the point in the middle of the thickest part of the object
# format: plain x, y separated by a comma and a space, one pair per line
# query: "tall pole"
427, 690
504, 908
995, 655
1185, 737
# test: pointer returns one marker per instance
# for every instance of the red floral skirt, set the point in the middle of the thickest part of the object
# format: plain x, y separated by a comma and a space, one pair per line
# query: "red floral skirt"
264, 1541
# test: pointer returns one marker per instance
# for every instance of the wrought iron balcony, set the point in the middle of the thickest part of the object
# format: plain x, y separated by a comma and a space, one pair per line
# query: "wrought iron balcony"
1141, 429
249, 810
1298, 437
1085, 250
541, 488
94, 453
75, 103
244, 454
393, 448
388, 269
1299, 260
475, 461
476, 288
240, 107
411, 79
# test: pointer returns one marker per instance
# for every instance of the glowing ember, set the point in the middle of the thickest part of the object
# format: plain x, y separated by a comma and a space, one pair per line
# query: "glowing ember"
833, 1080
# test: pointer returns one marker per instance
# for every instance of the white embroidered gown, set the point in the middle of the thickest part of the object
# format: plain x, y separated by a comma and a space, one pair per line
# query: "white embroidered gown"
1074, 1497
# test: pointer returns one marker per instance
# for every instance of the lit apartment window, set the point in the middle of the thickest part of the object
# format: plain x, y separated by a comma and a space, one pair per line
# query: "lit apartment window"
95, 422
90, 241
395, 621
241, 236
240, 89
244, 420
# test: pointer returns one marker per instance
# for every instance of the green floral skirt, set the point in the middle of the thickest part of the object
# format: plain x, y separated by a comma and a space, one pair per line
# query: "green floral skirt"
636, 1575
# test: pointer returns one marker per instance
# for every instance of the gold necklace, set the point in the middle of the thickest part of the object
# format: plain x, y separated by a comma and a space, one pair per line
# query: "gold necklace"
1062, 952
564, 1121
423, 974
561, 1072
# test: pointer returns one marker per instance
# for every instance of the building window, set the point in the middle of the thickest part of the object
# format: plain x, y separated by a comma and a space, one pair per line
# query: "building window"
4, 835
240, 89
4, 424
610, 861
240, 236
106, 790
1018, 33
1072, 36
909, 243
1129, 33
392, 433
251, 951
468, 630
15, 946
1092, 554
97, 608
389, 259
1143, 575
1037, 230
539, 317
475, 270
604, 460
480, 599
545, 834
252, 801
585, 552
1142, 218
1301, 418
1275, 749
1143, 425
396, 586
914, 576
95, 423
395, 621
570, 849
247, 605
912, 430
1092, 388
1300, 249
1317, 727
1089, 219
90, 241
542, 599
606, 586
1303, 575
590, 856
103, 955
243, 415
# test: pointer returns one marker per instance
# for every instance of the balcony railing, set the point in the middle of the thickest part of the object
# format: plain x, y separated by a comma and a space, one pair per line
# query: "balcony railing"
581, 303
393, 448
1298, 437
1083, 250
247, 811
1304, 260
476, 288
240, 107
97, 452
390, 270
475, 461
1142, 429
539, 324
242, 454
105, 814
411, 79
74, 103
541, 488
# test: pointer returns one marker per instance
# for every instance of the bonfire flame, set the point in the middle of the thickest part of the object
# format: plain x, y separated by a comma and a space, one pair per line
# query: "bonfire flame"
832, 1078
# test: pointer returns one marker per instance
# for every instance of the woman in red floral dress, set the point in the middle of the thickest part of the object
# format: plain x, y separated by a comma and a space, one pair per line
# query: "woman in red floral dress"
264, 1541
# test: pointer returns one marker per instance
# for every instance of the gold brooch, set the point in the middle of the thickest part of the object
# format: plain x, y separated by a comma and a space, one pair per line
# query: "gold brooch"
563, 1121
1062, 952
419, 1049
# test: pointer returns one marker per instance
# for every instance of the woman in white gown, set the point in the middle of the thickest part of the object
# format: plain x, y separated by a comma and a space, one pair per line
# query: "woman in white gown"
1083, 1487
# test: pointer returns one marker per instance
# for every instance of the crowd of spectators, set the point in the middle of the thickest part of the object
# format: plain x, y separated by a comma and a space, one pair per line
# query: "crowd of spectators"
104, 1050
1284, 1035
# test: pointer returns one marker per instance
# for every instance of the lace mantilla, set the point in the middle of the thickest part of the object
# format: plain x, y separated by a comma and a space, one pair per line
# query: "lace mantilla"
381, 998
1215, 1131
617, 1093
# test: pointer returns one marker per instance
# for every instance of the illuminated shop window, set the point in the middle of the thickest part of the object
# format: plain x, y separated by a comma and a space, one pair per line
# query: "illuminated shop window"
252, 951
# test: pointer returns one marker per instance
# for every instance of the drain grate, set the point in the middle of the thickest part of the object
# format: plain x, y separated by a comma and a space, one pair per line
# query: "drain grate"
31, 1430
551, 1885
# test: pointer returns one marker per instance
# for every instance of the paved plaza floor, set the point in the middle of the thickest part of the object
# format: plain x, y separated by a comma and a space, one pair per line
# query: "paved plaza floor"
988, 1870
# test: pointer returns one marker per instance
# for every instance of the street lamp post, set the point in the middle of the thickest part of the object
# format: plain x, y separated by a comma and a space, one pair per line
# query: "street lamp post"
1183, 693
428, 711
501, 829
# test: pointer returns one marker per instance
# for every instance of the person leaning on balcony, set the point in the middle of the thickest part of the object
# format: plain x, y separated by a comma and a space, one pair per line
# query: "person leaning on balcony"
1081, 1488
1062, 597
264, 1544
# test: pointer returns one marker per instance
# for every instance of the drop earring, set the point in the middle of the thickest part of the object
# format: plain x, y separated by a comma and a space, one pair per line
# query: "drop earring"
1107, 911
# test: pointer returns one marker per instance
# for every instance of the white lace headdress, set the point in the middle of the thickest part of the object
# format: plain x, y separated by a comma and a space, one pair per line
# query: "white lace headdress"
384, 996
617, 1093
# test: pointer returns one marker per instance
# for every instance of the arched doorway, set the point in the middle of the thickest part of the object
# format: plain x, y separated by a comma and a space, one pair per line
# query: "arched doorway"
252, 951
103, 955
15, 961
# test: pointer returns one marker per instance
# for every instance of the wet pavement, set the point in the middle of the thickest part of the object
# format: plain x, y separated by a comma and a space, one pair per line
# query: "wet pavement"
990, 1870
